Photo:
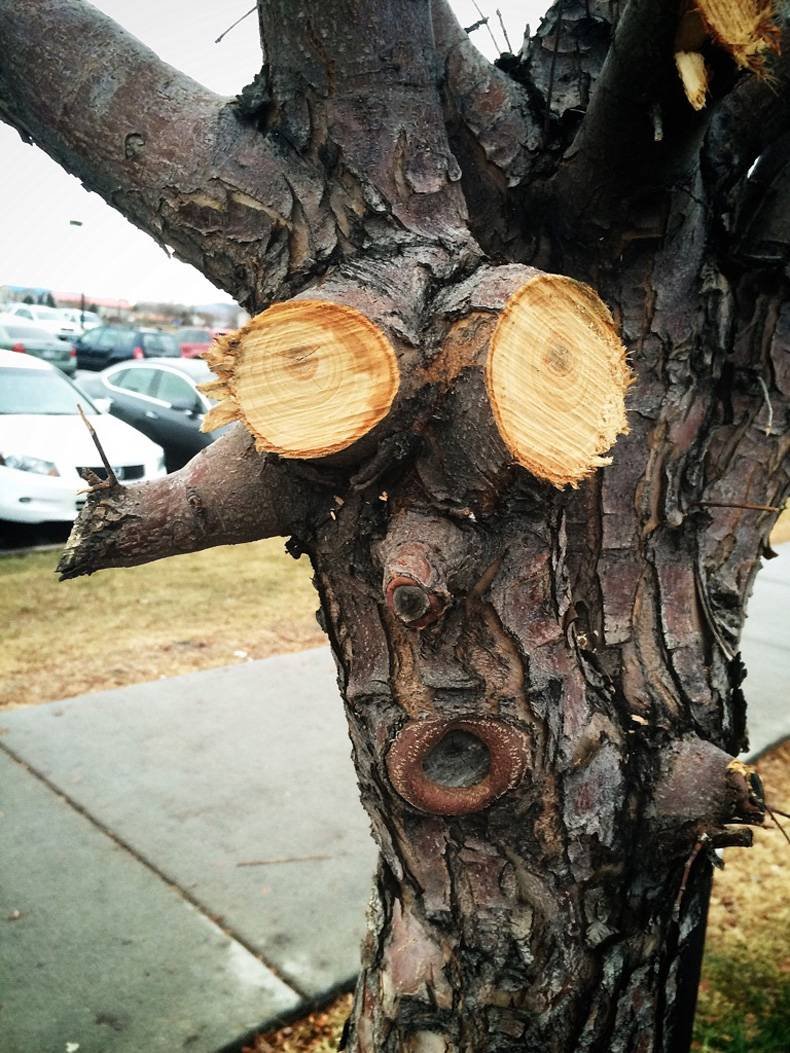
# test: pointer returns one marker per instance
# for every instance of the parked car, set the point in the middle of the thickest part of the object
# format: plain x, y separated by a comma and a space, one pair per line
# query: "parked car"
44, 443
159, 397
194, 342
84, 320
19, 335
48, 318
108, 344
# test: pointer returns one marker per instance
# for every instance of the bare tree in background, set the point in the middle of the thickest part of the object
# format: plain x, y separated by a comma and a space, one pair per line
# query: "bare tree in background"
538, 654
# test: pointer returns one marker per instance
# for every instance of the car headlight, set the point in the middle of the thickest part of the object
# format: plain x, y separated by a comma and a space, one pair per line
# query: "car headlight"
23, 463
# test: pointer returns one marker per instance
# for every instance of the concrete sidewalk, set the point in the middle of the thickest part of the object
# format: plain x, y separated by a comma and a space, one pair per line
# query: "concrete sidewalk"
200, 837
765, 649
184, 861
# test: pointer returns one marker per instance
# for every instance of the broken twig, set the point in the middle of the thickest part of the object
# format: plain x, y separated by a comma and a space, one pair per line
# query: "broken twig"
504, 31
234, 24
730, 504
112, 480
702, 840
484, 20
286, 859
778, 824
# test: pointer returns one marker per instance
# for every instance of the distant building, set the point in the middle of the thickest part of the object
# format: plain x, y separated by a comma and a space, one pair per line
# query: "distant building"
23, 294
211, 315
108, 308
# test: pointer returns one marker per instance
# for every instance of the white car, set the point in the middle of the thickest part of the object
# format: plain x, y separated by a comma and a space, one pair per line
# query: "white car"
49, 318
44, 443
85, 320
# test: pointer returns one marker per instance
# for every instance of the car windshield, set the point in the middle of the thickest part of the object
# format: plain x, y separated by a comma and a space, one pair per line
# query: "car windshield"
40, 391
47, 313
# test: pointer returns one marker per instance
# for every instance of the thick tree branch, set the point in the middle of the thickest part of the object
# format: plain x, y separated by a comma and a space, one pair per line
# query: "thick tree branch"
562, 60
618, 133
495, 130
167, 153
745, 159
228, 494
354, 84
344, 146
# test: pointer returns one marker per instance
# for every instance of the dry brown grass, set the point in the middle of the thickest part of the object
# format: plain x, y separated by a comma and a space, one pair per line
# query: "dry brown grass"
125, 626
744, 1004
781, 531
317, 1033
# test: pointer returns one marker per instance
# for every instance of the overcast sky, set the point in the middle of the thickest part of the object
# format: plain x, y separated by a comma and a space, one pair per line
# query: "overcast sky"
107, 256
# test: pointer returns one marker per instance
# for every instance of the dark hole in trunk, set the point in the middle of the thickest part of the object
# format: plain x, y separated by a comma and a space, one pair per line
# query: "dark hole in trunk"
460, 759
410, 602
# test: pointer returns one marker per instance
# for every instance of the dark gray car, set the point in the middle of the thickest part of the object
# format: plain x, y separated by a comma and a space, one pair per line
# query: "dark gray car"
159, 397
18, 335
107, 344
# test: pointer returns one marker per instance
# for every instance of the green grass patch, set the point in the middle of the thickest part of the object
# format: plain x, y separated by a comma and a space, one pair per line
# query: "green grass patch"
744, 1005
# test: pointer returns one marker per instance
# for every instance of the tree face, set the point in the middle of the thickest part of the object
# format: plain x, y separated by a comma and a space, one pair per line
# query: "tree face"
311, 377
537, 648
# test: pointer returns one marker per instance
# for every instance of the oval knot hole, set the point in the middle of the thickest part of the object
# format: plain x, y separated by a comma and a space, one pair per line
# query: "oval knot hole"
459, 759
410, 602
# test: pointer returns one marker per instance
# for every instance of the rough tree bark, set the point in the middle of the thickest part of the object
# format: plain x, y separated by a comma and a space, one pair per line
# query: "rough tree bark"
542, 682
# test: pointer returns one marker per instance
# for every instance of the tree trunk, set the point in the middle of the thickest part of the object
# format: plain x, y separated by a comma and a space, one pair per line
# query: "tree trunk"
537, 650
593, 634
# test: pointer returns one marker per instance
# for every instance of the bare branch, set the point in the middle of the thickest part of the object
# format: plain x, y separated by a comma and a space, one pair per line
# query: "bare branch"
618, 130
745, 154
640, 134
354, 82
233, 25
111, 479
562, 60
170, 155
494, 129
228, 494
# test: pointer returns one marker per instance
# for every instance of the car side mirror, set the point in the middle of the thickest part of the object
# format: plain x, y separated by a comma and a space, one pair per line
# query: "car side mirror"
102, 405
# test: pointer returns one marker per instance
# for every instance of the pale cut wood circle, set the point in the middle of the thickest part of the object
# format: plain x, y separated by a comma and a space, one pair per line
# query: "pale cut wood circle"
748, 29
307, 377
556, 375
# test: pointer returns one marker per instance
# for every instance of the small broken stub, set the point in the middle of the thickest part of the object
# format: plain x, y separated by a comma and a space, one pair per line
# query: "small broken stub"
556, 376
694, 75
459, 766
308, 378
746, 29
702, 784
414, 604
